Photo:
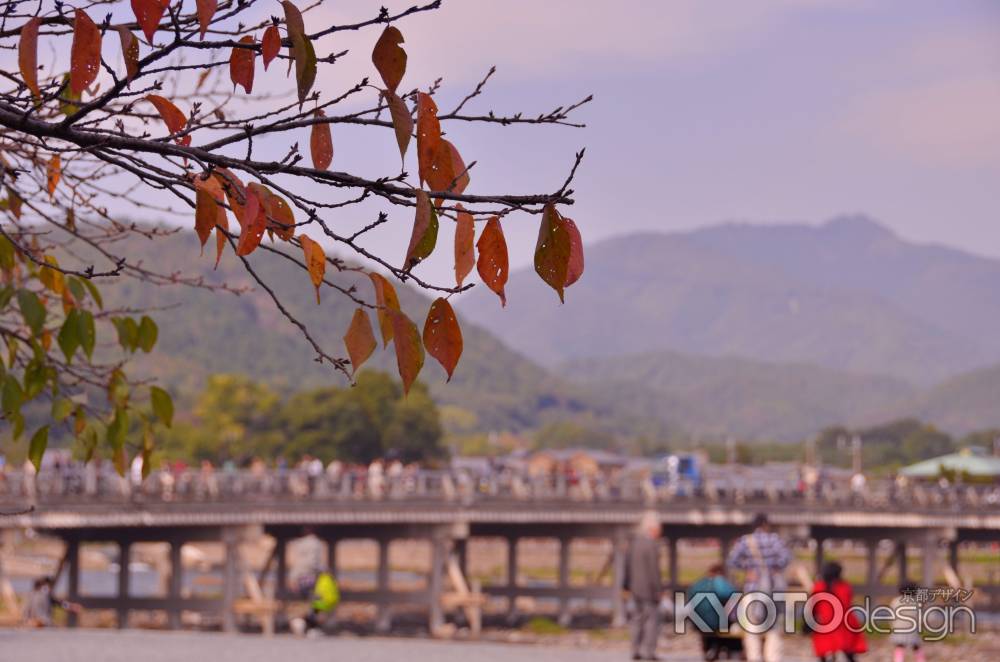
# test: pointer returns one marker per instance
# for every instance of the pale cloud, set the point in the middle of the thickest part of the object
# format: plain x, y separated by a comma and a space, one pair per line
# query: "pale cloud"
946, 123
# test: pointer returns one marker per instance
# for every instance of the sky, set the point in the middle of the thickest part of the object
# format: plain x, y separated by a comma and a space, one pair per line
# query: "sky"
703, 111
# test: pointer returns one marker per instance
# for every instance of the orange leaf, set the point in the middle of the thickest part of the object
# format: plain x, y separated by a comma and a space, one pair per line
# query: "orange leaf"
85, 56
53, 171
402, 121
552, 250
130, 51
206, 10
171, 115
389, 58
461, 177
208, 207
254, 222
270, 45
575, 269
425, 231
386, 301
409, 350
148, 13
220, 235
443, 336
315, 262
236, 193
465, 252
27, 54
428, 134
321, 144
359, 340
241, 65
492, 264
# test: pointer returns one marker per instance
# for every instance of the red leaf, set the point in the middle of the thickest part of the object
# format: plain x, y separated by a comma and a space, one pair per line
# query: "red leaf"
241, 65
492, 264
270, 45
428, 134
206, 10
171, 115
389, 58
130, 51
402, 121
315, 262
552, 250
575, 269
27, 54
278, 215
359, 340
321, 143
208, 207
386, 301
148, 13
443, 336
465, 252
254, 222
85, 56
409, 350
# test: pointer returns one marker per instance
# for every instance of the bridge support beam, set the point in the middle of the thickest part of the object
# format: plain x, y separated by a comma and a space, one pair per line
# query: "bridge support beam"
673, 572
73, 575
124, 558
871, 565
902, 571
176, 581
435, 583
818, 560
383, 617
618, 560
565, 616
230, 578
512, 578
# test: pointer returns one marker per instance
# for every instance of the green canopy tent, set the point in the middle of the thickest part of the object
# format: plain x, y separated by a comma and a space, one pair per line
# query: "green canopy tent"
972, 464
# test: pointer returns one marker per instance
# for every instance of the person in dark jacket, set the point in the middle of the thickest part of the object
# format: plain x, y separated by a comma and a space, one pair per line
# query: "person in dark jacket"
643, 583
713, 643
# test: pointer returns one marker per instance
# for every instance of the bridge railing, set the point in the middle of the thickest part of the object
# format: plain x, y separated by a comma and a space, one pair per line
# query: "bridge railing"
87, 485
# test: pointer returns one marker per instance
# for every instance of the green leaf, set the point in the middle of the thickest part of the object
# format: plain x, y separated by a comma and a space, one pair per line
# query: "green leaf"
6, 254
147, 334
36, 449
32, 310
69, 335
95, 293
6, 294
17, 422
88, 335
163, 405
128, 332
76, 288
61, 409
35, 376
302, 50
118, 429
12, 396
88, 439
67, 99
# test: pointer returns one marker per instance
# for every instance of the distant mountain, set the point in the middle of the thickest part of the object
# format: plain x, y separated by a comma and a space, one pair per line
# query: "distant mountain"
719, 397
847, 295
203, 332
962, 404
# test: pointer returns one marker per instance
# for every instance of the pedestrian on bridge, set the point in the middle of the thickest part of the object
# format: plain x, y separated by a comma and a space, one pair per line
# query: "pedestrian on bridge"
645, 587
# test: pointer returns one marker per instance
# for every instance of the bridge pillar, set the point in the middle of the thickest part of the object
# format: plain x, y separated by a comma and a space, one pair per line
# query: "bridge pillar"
673, 574
725, 544
902, 573
435, 584
818, 560
280, 569
929, 559
124, 557
953, 556
512, 578
174, 588
618, 560
871, 567
331, 556
383, 617
73, 589
230, 578
565, 617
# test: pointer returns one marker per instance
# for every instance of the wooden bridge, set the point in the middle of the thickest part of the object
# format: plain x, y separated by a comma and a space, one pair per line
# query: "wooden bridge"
447, 511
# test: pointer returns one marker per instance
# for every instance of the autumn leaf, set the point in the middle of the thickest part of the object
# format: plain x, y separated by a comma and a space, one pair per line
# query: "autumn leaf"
85, 54
148, 14
492, 264
241, 65
130, 51
279, 217
389, 58
461, 174
236, 194
221, 228
465, 252
552, 250
428, 134
321, 143
575, 268
206, 10
315, 262
302, 50
53, 171
27, 55
171, 115
359, 340
402, 121
443, 336
409, 350
208, 207
270, 45
386, 301
253, 224
425, 231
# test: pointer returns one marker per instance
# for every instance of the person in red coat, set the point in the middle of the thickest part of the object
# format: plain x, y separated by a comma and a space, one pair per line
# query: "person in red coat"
846, 637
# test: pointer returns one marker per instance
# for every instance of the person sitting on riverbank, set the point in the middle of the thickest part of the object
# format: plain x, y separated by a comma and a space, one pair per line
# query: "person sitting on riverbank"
844, 637
713, 642
325, 598
40, 603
